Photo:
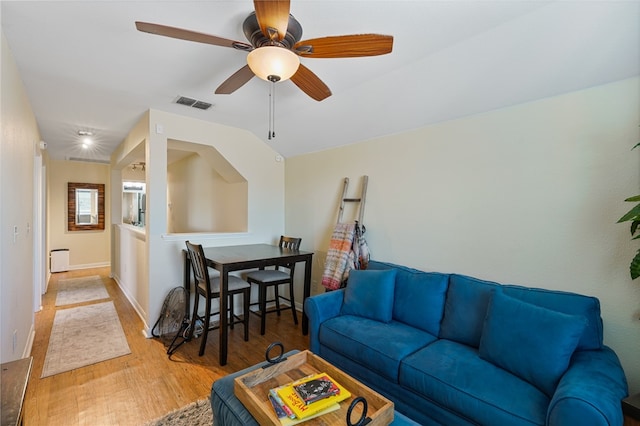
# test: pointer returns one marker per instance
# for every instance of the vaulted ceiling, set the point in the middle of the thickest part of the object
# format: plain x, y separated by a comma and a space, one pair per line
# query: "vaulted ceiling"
86, 67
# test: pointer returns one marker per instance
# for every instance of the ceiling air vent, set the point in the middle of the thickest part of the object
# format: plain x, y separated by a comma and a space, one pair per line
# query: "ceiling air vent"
183, 100
202, 105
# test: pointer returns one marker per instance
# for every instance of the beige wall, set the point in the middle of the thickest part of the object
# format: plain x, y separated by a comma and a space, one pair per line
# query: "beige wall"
201, 200
86, 248
19, 137
527, 195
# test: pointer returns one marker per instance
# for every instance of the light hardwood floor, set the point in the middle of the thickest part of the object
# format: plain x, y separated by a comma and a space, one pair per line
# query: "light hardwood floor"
146, 384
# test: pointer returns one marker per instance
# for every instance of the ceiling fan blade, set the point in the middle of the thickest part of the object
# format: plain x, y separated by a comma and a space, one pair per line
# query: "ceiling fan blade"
345, 46
310, 83
236, 81
273, 14
189, 35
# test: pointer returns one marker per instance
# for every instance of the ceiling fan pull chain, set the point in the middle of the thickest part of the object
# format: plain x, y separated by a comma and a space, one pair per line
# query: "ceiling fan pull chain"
270, 109
273, 113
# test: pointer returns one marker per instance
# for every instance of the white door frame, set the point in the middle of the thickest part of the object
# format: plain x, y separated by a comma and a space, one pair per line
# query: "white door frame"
39, 227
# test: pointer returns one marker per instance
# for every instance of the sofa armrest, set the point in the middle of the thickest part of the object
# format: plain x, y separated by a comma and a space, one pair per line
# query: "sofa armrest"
320, 308
590, 392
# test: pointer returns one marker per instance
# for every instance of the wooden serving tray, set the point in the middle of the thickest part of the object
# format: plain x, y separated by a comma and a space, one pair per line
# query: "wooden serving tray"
252, 389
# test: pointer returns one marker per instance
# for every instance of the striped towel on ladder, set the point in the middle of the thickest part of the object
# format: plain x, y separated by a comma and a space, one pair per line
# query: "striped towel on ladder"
336, 267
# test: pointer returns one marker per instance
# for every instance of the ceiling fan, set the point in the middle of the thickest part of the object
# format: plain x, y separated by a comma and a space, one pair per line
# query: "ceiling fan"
274, 33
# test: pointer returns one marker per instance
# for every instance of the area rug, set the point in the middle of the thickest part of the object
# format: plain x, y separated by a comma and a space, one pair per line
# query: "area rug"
195, 414
78, 290
83, 336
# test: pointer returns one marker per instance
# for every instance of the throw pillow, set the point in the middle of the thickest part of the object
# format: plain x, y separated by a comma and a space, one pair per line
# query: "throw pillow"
369, 294
531, 342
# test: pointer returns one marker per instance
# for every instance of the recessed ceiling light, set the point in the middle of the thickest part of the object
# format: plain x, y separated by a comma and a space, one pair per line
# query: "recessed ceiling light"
86, 141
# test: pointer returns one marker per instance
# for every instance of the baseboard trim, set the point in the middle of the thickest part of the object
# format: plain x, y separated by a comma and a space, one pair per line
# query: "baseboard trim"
83, 266
89, 266
146, 331
29, 346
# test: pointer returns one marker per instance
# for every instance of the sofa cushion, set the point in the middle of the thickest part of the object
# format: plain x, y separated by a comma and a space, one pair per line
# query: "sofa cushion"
534, 343
419, 299
419, 296
380, 346
369, 294
568, 303
465, 309
452, 375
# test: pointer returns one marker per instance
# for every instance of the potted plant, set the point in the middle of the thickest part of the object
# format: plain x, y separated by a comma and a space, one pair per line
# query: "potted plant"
633, 216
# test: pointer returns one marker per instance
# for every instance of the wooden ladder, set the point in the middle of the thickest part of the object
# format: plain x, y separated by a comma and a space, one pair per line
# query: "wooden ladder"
360, 200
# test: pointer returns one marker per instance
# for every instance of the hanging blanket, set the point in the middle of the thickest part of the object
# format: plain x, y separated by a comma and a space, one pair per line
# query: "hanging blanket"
337, 262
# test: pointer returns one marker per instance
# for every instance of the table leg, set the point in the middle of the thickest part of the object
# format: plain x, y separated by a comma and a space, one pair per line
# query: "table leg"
307, 293
224, 288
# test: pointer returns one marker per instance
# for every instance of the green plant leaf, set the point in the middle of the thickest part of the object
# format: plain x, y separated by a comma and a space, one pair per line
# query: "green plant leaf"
636, 198
634, 268
634, 226
633, 214
636, 145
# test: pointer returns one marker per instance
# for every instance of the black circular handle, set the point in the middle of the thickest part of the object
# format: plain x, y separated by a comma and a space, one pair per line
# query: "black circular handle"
277, 359
362, 420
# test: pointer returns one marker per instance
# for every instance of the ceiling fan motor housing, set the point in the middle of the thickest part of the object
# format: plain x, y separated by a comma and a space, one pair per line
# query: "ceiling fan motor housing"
254, 34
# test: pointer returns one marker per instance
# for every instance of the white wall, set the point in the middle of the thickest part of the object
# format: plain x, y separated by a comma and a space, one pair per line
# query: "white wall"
87, 249
20, 135
527, 195
130, 266
251, 158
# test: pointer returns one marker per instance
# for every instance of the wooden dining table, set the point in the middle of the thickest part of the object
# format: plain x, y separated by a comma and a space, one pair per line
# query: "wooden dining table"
249, 256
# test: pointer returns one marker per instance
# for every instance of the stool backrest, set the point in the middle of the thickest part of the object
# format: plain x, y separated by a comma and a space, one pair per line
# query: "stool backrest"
199, 266
291, 243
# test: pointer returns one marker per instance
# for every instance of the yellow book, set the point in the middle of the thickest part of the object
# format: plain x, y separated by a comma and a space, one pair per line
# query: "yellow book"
286, 421
300, 408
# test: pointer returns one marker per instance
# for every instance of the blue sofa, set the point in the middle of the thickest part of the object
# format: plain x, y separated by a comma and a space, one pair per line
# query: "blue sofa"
450, 349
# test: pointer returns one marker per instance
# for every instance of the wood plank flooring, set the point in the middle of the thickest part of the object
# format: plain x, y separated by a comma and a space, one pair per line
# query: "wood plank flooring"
136, 388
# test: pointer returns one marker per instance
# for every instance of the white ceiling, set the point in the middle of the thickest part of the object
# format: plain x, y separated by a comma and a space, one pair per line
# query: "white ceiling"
86, 67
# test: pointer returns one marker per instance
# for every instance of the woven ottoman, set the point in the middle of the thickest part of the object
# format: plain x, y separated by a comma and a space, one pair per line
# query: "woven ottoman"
229, 411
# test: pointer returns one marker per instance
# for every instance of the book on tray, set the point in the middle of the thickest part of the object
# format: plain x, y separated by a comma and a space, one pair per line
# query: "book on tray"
316, 389
310, 396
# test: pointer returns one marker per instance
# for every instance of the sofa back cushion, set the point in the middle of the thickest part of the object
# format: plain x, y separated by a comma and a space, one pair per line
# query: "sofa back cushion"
419, 296
468, 299
568, 303
465, 309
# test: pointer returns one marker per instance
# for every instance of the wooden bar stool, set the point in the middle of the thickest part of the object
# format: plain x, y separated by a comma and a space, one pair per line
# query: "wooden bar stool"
266, 278
209, 288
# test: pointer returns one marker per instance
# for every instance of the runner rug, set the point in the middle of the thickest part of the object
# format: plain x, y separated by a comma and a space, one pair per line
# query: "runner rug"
195, 414
83, 336
78, 290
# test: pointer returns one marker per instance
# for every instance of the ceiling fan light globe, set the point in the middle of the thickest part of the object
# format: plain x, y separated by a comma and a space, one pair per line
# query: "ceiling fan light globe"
269, 61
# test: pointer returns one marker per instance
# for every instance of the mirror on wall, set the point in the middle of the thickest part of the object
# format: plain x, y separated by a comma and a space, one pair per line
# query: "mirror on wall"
85, 206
